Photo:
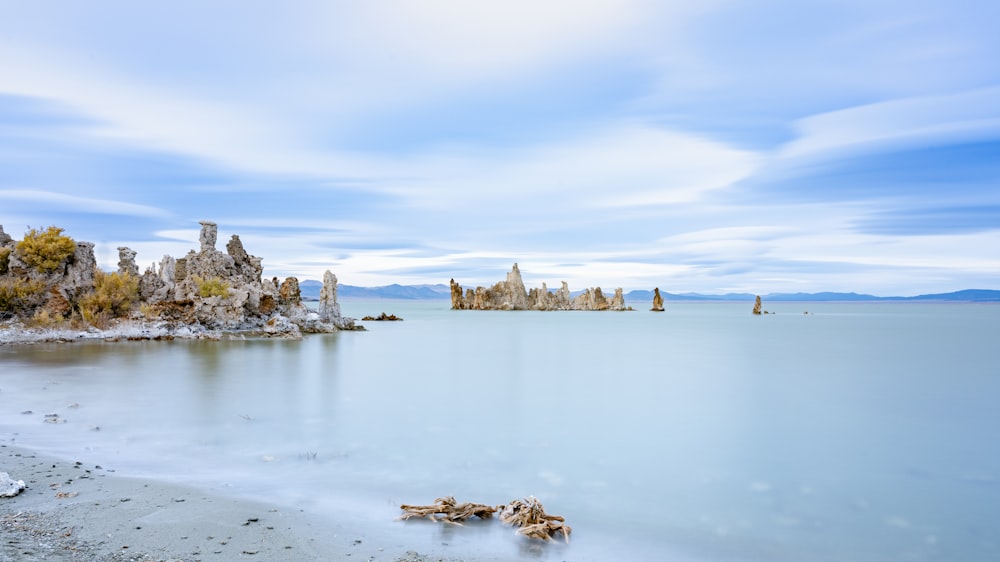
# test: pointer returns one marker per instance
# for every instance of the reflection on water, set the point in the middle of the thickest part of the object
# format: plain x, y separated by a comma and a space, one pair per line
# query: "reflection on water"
858, 432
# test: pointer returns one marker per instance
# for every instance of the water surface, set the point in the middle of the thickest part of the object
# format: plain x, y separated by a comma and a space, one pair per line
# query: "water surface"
858, 432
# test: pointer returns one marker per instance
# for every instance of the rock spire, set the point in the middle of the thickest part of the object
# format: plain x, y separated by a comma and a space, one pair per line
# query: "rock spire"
657, 301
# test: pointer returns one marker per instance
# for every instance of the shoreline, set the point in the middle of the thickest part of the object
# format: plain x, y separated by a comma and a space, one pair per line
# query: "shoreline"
16, 333
73, 511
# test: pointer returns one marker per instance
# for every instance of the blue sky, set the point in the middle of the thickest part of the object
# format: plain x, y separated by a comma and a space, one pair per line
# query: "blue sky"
708, 146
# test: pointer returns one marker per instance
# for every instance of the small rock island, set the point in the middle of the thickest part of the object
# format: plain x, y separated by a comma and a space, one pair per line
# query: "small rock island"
657, 301
511, 294
50, 281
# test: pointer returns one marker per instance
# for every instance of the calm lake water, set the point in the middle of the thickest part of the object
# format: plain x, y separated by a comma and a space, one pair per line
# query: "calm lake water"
859, 432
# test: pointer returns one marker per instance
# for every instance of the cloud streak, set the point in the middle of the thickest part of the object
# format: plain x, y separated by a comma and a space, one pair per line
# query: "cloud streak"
59, 202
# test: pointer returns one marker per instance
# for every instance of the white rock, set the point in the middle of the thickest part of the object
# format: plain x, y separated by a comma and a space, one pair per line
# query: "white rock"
10, 487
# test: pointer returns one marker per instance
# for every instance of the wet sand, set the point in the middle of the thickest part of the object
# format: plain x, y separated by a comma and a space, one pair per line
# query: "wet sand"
72, 511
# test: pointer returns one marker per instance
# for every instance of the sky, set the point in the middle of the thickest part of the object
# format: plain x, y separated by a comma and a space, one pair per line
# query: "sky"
714, 146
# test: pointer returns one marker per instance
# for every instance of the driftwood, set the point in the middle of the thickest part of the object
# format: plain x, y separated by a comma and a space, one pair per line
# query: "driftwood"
527, 515
450, 511
532, 521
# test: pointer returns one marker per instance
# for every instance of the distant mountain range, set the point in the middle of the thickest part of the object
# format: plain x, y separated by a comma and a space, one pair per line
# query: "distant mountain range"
967, 295
310, 291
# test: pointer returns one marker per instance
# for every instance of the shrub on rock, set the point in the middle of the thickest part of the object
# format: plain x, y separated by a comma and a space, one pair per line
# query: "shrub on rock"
113, 296
19, 296
45, 250
211, 287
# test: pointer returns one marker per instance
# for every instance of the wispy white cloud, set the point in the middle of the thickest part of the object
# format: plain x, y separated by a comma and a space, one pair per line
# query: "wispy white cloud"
918, 121
62, 202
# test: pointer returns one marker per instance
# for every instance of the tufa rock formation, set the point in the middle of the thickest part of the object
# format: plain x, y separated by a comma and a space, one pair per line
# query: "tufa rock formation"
25, 290
657, 301
208, 289
126, 261
510, 294
328, 305
209, 233
756, 305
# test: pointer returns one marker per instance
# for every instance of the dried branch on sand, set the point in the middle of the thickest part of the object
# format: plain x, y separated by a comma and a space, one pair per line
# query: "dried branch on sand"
532, 521
527, 515
451, 511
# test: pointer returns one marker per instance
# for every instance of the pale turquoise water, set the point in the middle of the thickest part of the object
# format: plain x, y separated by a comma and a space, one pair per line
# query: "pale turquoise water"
861, 432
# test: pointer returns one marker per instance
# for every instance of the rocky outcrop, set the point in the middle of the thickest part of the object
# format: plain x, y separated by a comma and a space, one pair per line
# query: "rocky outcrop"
382, 318
510, 294
757, 305
208, 288
57, 305
78, 279
657, 301
73, 278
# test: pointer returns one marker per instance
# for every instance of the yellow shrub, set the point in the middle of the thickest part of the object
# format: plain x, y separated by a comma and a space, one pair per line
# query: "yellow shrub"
45, 250
211, 287
18, 296
149, 311
112, 297
42, 319
4, 260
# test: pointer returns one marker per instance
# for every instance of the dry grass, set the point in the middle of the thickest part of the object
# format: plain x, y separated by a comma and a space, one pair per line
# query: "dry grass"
42, 319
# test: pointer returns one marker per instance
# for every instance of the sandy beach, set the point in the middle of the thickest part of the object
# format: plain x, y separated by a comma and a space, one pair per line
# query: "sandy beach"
72, 511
